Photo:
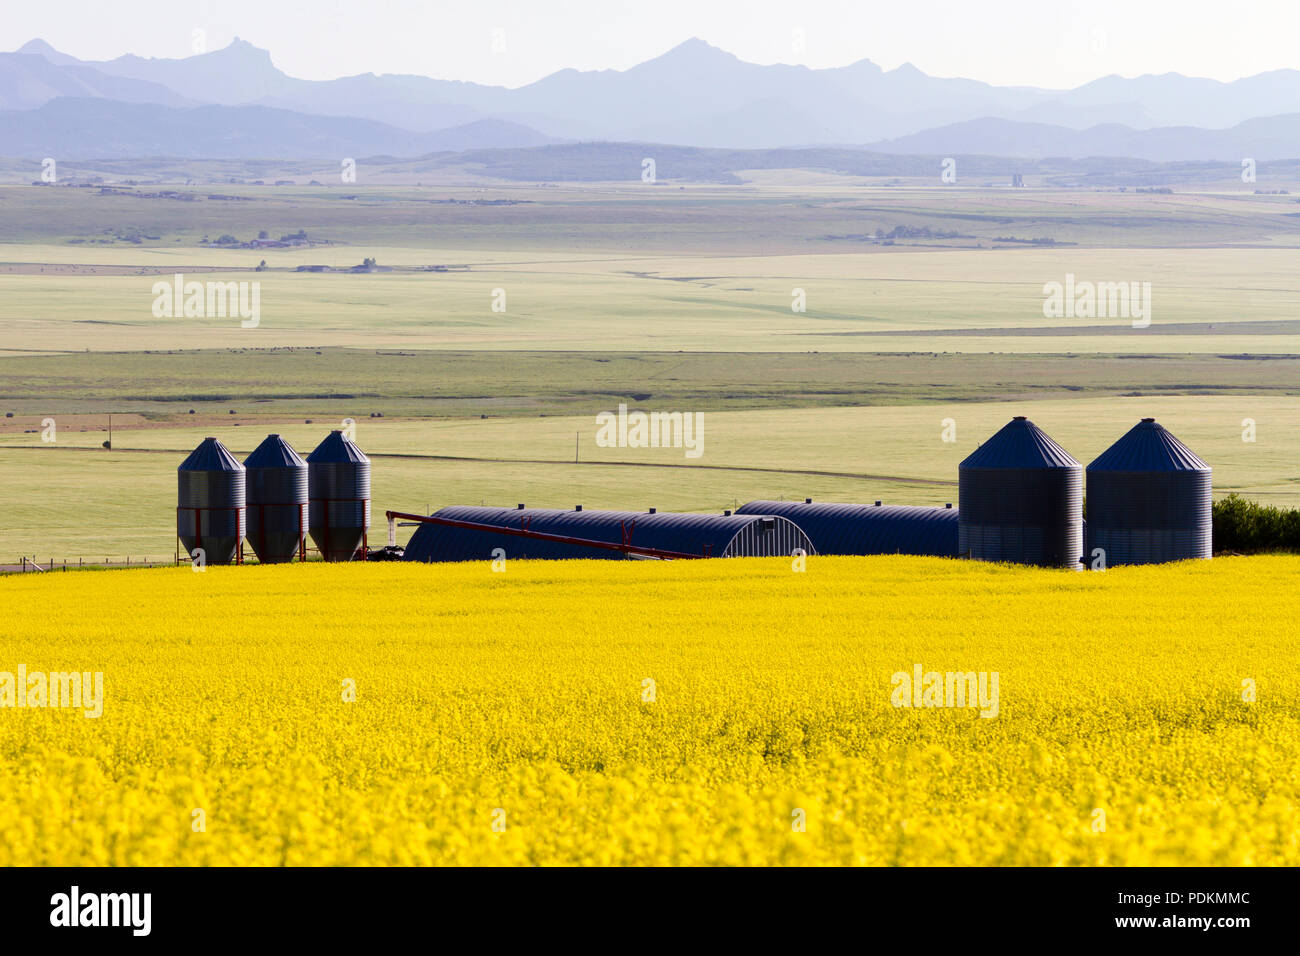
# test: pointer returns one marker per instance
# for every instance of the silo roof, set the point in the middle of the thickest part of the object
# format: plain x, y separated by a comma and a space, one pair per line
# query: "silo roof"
274, 452
211, 455
336, 447
1020, 444
1148, 446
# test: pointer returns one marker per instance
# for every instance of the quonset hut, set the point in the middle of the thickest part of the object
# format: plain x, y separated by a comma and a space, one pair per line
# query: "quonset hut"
1021, 499
277, 501
210, 502
338, 483
867, 529
1149, 500
684, 535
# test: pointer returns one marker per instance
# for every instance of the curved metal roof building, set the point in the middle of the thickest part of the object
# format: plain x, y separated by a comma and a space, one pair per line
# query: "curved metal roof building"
1149, 499
210, 502
1020, 499
686, 535
868, 529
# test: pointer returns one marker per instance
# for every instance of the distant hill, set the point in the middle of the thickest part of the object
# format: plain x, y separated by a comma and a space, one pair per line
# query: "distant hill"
79, 127
74, 128
28, 80
39, 47
486, 134
698, 95
1266, 138
612, 162
239, 73
675, 165
242, 74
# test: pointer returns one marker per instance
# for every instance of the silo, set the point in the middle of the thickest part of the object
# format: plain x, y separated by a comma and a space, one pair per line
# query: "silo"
1149, 500
277, 501
210, 503
338, 485
1021, 500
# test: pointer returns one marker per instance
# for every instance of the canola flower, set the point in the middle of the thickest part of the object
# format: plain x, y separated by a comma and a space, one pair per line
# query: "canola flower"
707, 712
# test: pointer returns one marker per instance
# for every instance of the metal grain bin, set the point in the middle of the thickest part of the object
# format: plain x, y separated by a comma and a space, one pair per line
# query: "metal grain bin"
1149, 500
1021, 500
867, 529
210, 503
277, 501
338, 485
699, 535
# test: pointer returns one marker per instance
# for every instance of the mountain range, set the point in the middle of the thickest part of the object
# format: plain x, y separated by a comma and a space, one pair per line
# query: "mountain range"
235, 101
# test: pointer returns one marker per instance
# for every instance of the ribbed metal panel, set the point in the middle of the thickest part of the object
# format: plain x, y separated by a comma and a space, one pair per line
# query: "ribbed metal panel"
338, 486
719, 536
1021, 500
210, 502
1149, 500
277, 500
868, 529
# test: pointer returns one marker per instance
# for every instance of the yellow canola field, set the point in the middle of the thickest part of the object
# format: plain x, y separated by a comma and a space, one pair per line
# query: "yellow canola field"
705, 712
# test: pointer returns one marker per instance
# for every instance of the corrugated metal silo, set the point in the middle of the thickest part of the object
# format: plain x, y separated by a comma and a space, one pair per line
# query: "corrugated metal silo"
1021, 499
210, 502
277, 501
867, 529
1149, 499
699, 535
338, 483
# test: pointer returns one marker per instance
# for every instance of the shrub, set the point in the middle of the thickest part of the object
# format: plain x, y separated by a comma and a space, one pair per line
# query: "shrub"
1250, 527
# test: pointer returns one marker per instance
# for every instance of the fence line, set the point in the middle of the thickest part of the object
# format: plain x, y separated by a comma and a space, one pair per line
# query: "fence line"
31, 564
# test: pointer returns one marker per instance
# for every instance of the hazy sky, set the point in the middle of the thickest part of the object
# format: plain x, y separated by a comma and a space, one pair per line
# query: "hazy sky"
1052, 43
